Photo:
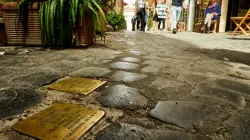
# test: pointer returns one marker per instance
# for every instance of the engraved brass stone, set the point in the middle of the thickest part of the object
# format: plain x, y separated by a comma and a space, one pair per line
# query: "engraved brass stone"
61, 121
77, 85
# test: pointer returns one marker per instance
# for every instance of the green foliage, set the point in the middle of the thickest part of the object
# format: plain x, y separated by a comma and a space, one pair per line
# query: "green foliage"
58, 19
150, 20
117, 21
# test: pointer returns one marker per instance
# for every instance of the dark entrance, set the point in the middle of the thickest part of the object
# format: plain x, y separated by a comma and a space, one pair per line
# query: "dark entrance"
236, 8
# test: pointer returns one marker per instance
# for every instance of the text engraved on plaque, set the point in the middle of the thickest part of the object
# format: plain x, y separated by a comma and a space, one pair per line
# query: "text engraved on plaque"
60, 122
77, 85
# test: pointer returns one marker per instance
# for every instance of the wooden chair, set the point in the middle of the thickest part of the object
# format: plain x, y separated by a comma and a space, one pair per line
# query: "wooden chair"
213, 26
240, 21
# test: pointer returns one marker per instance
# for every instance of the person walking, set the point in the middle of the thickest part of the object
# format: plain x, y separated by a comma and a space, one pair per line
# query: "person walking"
176, 12
133, 22
161, 10
141, 6
212, 12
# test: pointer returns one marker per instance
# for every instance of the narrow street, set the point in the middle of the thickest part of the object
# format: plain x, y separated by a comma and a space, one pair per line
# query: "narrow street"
186, 86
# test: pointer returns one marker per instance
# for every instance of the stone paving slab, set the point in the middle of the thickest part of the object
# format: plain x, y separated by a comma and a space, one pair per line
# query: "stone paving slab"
239, 123
160, 83
222, 95
124, 65
137, 52
120, 96
35, 79
150, 69
15, 100
124, 131
234, 86
156, 63
193, 78
127, 77
92, 72
182, 113
131, 59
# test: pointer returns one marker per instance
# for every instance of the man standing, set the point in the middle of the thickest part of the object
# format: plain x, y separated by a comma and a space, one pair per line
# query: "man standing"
176, 12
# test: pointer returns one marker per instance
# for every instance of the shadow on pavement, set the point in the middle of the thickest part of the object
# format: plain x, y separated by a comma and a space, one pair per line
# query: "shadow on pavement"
223, 54
238, 38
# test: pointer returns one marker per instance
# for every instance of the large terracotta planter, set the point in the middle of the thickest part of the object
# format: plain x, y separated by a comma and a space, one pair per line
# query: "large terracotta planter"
16, 33
84, 32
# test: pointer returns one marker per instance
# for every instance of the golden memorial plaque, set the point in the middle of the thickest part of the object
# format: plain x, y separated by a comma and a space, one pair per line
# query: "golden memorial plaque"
61, 121
77, 85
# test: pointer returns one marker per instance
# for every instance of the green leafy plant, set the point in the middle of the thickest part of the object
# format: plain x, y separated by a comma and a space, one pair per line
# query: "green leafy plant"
58, 19
117, 21
150, 20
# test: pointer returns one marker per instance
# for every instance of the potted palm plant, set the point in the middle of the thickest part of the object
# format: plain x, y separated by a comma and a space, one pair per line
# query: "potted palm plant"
65, 23
58, 23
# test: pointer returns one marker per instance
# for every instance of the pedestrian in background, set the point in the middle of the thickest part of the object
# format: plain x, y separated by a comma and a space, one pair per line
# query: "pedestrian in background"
176, 12
133, 22
141, 7
161, 10
212, 12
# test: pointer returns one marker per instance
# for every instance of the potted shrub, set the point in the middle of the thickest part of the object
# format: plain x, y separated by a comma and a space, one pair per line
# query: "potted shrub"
117, 21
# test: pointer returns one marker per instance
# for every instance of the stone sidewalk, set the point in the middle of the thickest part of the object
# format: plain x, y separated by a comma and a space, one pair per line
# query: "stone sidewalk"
226, 41
159, 86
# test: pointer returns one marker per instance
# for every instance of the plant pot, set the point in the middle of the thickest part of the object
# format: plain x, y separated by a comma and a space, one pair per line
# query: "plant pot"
16, 33
9, 5
35, 5
84, 32
198, 28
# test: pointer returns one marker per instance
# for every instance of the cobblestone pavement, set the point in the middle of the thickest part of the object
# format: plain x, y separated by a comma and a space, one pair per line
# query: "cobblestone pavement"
159, 86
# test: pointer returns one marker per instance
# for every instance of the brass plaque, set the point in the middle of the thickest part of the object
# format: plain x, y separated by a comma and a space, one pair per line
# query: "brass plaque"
77, 85
61, 121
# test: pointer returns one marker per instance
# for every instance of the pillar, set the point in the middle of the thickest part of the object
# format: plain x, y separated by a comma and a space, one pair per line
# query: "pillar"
191, 15
223, 18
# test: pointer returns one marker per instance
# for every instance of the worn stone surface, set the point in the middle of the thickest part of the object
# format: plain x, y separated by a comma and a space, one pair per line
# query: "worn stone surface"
120, 96
234, 85
221, 95
130, 59
156, 63
15, 100
137, 52
35, 79
193, 78
160, 83
91, 72
62, 67
124, 131
122, 76
182, 113
124, 65
152, 57
239, 124
245, 68
150, 69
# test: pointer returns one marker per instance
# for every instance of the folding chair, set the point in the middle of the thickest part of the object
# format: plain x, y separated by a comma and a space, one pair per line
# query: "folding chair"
239, 21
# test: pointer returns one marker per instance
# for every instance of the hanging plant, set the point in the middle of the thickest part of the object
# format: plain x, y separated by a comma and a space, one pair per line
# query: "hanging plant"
58, 19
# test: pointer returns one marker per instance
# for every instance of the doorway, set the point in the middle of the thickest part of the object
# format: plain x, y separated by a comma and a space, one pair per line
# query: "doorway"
236, 8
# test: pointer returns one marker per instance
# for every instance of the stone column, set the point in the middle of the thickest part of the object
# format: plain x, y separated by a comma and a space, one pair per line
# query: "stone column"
191, 14
223, 18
